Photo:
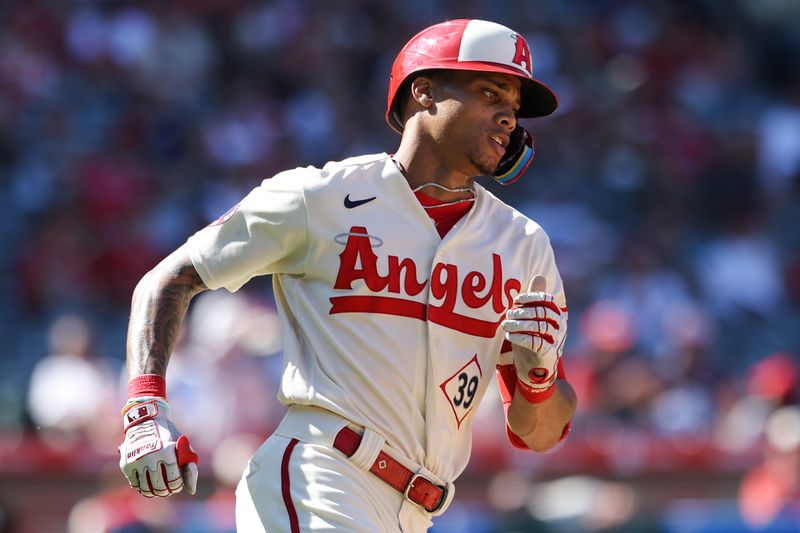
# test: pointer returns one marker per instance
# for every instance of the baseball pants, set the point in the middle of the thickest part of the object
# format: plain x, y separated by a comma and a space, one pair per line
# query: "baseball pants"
297, 482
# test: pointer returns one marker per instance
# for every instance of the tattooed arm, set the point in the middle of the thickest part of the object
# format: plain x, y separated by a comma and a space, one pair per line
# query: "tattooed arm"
159, 305
155, 457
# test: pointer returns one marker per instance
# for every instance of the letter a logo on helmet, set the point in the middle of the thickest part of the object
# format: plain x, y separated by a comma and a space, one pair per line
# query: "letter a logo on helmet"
477, 45
523, 54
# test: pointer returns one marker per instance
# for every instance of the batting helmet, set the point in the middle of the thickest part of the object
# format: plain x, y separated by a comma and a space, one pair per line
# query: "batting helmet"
470, 44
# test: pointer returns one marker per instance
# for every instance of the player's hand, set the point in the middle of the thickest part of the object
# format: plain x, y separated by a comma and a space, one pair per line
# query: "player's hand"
535, 327
155, 457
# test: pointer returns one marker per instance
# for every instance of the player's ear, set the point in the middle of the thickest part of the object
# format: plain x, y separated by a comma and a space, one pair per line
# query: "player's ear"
421, 91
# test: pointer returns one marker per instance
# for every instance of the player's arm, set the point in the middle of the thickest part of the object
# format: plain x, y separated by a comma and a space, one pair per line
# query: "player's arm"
155, 457
159, 305
535, 422
541, 425
539, 402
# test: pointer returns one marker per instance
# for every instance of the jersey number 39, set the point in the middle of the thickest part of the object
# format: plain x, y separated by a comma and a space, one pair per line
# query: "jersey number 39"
462, 387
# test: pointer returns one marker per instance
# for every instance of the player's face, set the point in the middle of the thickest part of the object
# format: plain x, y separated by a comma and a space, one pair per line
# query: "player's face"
476, 115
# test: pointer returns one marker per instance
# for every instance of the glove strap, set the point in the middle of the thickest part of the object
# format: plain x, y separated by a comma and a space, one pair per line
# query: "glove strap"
137, 413
147, 385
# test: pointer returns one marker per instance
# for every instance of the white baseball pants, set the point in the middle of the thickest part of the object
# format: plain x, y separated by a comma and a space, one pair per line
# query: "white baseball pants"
297, 482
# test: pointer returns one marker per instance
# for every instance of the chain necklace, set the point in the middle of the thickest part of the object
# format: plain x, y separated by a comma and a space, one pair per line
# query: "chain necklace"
470, 190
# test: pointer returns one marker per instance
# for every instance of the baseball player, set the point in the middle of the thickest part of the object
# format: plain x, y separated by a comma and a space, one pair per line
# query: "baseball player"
401, 284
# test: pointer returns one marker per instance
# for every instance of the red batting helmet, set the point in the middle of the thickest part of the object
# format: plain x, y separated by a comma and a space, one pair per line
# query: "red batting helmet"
470, 44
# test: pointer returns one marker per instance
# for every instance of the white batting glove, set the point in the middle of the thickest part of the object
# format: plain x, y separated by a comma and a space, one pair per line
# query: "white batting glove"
155, 457
535, 327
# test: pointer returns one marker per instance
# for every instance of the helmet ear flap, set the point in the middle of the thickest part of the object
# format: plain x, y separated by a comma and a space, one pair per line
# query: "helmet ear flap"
518, 157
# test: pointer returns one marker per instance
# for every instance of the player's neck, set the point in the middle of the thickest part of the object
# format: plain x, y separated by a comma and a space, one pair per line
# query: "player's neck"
420, 166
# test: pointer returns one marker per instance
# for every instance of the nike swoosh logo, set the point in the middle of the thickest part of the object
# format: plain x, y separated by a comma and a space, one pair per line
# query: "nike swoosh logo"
350, 204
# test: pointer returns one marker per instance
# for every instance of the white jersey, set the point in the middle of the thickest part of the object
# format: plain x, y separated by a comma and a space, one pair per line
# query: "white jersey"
385, 323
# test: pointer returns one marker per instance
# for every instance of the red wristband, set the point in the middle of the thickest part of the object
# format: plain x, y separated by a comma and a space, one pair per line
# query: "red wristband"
535, 395
147, 385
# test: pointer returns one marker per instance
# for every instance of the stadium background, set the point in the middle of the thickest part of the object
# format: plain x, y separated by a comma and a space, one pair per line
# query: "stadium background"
669, 182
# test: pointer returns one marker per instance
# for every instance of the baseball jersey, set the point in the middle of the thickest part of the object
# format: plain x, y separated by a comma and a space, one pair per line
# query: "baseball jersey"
385, 322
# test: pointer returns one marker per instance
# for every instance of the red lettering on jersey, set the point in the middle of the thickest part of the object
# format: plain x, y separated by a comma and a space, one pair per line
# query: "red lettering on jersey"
445, 289
512, 285
359, 250
475, 282
410, 283
523, 54
359, 262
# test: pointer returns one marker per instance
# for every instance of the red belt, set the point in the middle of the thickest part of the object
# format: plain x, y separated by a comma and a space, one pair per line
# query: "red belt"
416, 488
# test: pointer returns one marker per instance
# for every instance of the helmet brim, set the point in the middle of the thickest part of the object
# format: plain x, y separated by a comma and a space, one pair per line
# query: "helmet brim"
537, 99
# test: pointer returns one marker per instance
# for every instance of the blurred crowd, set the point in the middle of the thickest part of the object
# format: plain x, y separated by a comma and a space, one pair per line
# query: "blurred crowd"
668, 181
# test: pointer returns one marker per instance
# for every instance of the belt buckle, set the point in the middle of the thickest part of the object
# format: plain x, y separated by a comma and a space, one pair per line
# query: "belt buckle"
442, 498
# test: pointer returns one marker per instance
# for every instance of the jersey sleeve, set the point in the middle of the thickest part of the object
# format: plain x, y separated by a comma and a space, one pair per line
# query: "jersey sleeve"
266, 233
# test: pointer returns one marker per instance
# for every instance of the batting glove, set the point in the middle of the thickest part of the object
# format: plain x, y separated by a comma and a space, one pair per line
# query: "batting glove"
535, 327
155, 457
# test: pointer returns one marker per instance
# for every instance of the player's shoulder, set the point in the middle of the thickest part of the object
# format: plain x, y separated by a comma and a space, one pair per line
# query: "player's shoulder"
312, 177
359, 162
363, 168
518, 229
504, 215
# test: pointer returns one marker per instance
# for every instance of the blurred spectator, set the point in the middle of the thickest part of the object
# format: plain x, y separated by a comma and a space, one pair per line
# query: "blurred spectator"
70, 389
779, 146
771, 488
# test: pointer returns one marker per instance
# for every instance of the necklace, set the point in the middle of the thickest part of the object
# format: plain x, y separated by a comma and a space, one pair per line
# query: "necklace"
471, 190
445, 188
446, 204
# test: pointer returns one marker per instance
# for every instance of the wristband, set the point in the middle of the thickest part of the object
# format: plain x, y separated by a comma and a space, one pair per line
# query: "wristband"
147, 385
535, 395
